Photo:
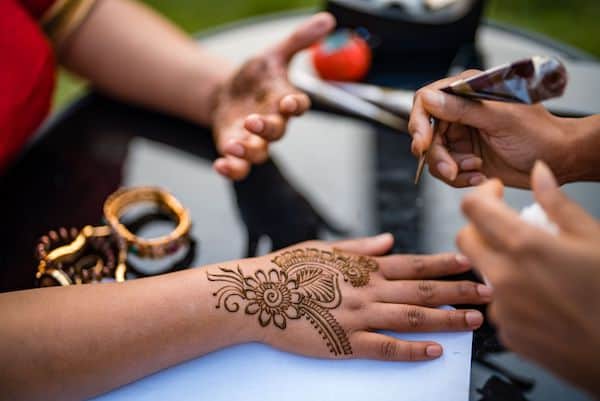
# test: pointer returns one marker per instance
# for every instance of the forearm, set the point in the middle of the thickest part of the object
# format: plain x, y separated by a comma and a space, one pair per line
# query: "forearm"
127, 50
583, 151
75, 342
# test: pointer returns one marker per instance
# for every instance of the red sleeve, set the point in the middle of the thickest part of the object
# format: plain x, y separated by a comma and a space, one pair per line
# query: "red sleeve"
26, 78
37, 8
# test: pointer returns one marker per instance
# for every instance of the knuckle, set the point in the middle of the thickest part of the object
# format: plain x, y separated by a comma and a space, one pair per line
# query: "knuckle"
389, 350
418, 265
354, 304
456, 319
466, 289
415, 317
519, 242
448, 261
426, 291
412, 352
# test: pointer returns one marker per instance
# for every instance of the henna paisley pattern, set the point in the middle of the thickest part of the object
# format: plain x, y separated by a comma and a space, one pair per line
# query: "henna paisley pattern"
355, 269
306, 284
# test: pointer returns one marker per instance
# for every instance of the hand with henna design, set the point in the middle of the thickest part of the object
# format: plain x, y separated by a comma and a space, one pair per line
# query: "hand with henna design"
253, 106
316, 298
325, 300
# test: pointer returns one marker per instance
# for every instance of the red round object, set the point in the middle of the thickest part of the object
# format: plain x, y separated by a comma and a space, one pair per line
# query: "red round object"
342, 56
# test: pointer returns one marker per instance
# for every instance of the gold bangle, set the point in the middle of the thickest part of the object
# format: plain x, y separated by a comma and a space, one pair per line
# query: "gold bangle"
64, 17
116, 205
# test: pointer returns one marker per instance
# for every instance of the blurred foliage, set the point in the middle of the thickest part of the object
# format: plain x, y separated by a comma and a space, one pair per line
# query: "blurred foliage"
572, 21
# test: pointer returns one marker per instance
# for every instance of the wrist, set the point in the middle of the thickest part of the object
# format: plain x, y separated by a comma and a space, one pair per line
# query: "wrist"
581, 155
226, 301
203, 93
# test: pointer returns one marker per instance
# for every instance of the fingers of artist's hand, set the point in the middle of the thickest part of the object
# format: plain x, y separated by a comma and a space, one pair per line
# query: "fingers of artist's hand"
419, 125
567, 214
440, 162
386, 348
232, 167
491, 263
498, 224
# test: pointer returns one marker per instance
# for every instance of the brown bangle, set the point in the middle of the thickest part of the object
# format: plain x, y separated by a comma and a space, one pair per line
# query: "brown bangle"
116, 205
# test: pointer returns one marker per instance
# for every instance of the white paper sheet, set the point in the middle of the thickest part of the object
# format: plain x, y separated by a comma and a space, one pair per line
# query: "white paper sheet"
256, 372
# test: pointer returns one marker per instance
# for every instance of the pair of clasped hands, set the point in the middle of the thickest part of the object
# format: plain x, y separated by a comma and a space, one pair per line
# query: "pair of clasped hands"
546, 289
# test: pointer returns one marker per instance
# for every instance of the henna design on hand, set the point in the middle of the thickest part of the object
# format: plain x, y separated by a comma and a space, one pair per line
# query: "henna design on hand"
306, 285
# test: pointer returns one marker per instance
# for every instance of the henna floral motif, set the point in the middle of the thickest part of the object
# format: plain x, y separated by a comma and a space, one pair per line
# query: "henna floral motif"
275, 297
306, 285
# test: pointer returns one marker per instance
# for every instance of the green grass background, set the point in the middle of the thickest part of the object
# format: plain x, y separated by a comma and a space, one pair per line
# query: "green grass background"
576, 22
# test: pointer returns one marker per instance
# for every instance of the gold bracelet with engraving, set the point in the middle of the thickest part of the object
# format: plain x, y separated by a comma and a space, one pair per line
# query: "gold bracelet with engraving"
122, 200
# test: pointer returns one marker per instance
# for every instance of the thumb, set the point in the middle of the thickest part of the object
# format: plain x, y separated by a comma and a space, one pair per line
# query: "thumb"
568, 215
309, 32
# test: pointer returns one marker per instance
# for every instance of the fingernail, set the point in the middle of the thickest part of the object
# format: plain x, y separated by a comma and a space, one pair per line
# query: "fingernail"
221, 168
476, 180
544, 178
433, 351
473, 318
384, 237
434, 98
484, 291
236, 149
290, 105
445, 170
414, 147
463, 260
257, 124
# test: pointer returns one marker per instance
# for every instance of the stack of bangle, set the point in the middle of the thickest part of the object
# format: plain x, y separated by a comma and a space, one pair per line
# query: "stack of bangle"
92, 254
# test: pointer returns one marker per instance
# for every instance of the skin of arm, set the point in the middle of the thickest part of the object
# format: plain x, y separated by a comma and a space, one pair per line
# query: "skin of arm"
483, 139
546, 287
75, 342
130, 52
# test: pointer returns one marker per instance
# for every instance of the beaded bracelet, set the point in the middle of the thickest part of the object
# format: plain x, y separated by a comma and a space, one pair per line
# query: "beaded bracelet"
64, 264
